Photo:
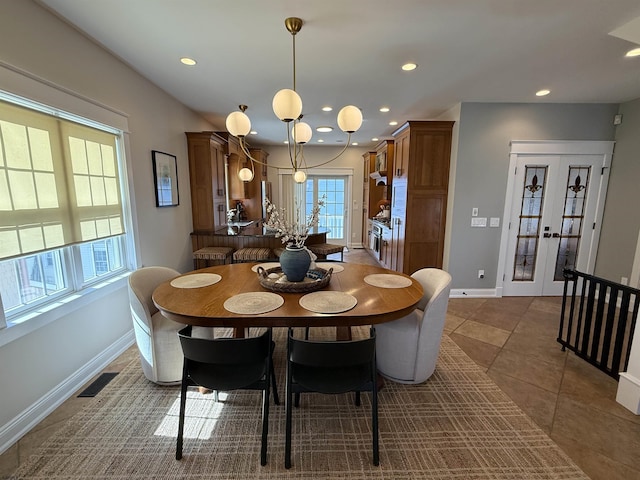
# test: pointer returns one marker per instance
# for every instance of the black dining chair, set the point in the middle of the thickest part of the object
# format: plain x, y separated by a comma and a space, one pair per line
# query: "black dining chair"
331, 367
224, 364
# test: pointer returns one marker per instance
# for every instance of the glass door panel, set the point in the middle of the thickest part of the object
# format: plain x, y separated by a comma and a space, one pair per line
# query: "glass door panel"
333, 216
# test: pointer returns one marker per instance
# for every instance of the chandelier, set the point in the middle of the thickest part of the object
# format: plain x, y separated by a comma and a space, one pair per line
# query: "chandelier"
287, 106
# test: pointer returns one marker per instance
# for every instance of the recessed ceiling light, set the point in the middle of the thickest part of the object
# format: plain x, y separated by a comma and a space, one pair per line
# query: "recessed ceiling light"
633, 53
324, 129
407, 67
543, 92
327, 109
286, 142
393, 123
355, 143
188, 61
384, 109
253, 132
375, 139
320, 140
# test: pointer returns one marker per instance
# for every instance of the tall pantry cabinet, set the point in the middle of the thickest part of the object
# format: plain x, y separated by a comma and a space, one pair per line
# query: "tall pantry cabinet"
206, 174
419, 194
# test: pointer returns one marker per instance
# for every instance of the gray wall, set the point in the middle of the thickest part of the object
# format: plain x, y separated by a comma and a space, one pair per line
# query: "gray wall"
621, 223
481, 171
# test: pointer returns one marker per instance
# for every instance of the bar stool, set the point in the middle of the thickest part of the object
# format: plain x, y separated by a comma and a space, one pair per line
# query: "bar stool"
207, 254
323, 249
252, 254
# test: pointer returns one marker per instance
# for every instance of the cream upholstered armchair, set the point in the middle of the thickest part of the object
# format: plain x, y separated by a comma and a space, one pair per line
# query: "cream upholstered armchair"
407, 348
156, 335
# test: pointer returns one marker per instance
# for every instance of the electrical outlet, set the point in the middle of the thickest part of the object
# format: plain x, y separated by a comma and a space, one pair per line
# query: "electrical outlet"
480, 273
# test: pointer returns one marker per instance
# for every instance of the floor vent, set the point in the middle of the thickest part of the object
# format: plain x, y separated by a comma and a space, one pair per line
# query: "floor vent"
101, 382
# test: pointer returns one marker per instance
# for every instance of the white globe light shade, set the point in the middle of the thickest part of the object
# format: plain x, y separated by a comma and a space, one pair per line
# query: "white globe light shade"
238, 124
302, 132
287, 105
245, 174
350, 119
299, 176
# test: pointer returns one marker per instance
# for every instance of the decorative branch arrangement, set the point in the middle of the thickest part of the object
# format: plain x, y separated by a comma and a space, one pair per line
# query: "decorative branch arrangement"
292, 232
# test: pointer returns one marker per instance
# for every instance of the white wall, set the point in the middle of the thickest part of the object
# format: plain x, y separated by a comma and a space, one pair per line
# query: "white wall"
34, 365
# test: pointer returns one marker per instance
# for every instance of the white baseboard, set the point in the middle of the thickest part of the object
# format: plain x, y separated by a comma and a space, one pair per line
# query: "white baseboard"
473, 293
629, 392
13, 431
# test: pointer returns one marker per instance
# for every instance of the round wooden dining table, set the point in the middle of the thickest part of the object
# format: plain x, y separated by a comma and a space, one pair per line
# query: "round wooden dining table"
205, 305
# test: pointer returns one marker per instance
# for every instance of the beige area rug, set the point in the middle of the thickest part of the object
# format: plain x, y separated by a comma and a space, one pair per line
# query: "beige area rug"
457, 425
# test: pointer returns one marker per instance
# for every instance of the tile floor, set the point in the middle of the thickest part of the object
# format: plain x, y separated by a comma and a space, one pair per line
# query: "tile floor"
514, 340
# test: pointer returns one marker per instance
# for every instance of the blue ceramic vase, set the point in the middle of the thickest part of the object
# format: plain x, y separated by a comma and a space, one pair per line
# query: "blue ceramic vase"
295, 263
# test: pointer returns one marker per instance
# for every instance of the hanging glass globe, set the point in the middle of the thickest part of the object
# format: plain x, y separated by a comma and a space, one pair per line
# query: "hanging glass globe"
299, 176
245, 174
287, 105
350, 119
238, 124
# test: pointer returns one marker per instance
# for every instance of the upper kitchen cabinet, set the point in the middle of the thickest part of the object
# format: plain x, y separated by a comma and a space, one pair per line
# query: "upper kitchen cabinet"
368, 203
419, 194
384, 168
256, 189
206, 177
236, 160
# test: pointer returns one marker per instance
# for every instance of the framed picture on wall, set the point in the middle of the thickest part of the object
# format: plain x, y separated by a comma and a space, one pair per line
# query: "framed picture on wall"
165, 175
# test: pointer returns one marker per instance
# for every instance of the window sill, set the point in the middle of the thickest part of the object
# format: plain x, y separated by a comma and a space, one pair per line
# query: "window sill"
29, 322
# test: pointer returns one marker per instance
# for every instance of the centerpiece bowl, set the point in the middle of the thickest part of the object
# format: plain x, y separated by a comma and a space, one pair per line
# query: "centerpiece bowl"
274, 279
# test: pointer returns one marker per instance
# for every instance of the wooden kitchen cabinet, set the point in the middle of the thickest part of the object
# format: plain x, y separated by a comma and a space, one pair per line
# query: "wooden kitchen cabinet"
253, 200
206, 177
382, 163
385, 157
419, 194
385, 247
236, 159
368, 166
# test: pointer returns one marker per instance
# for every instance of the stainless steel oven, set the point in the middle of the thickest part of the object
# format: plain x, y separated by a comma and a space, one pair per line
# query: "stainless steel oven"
375, 241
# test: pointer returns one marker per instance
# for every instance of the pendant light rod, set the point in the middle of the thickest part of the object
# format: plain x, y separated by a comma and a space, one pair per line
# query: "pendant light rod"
287, 106
294, 25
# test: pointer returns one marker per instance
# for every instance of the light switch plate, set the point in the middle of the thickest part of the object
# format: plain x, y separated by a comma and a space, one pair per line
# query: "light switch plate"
474, 212
494, 222
479, 222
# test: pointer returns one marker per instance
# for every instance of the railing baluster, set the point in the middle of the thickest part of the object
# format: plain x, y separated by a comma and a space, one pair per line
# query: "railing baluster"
596, 335
634, 316
609, 326
620, 332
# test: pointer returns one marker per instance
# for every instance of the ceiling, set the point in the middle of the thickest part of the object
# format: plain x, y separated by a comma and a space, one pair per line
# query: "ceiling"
350, 52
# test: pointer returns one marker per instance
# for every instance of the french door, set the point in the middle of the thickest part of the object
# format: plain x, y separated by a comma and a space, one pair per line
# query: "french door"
554, 213
334, 215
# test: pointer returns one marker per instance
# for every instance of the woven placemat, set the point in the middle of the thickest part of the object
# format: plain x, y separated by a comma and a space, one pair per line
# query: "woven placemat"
196, 280
327, 265
387, 280
328, 302
266, 266
253, 303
